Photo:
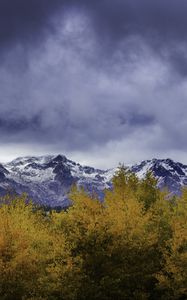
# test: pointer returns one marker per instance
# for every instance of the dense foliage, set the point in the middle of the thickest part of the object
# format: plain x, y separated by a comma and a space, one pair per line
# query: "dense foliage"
133, 245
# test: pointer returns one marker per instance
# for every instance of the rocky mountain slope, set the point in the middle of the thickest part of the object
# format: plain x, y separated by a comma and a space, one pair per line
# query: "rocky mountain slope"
170, 174
48, 179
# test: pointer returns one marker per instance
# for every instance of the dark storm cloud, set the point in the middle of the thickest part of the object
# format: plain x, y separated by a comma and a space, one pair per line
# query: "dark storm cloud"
159, 21
161, 24
12, 125
80, 74
25, 20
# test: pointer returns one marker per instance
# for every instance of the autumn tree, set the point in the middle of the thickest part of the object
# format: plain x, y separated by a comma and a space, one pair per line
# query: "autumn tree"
26, 250
174, 276
114, 244
132, 245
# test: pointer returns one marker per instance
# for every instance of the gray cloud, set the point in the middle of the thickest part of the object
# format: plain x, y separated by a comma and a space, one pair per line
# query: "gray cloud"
94, 78
160, 23
22, 21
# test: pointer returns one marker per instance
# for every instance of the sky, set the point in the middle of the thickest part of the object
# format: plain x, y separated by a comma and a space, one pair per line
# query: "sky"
100, 81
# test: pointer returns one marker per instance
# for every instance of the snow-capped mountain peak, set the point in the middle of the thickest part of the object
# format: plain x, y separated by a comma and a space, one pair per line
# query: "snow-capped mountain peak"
170, 174
48, 179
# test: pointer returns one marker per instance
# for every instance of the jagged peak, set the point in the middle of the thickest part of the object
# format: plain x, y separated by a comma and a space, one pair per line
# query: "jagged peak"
31, 158
48, 177
160, 161
60, 158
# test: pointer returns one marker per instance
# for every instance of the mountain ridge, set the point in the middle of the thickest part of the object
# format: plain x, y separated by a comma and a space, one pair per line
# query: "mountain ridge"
48, 179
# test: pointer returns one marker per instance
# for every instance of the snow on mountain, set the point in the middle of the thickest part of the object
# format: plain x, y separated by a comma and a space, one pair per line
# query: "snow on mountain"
170, 174
48, 179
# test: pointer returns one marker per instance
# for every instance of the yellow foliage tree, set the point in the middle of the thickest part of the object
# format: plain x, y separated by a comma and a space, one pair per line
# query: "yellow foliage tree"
132, 245
113, 244
26, 250
174, 275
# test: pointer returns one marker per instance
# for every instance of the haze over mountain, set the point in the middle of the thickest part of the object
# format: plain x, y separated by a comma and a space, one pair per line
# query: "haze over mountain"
48, 179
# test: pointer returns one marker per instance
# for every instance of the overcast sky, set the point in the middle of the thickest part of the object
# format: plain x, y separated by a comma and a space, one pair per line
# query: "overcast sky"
101, 81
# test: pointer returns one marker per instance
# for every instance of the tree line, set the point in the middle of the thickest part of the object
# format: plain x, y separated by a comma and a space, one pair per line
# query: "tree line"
132, 245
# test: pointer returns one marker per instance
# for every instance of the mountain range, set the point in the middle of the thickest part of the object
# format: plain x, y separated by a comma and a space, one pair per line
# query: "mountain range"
48, 179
